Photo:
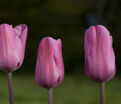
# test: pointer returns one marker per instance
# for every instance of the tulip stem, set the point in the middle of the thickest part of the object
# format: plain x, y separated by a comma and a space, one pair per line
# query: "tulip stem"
50, 96
10, 87
102, 93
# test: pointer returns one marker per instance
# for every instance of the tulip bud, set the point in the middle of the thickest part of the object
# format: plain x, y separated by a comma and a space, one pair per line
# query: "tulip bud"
99, 54
12, 46
49, 66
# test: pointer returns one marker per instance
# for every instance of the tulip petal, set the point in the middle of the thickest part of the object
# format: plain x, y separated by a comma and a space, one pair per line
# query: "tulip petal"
59, 61
10, 45
21, 31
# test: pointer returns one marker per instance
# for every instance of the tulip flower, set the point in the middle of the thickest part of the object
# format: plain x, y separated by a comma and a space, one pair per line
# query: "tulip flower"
12, 46
12, 49
49, 66
99, 55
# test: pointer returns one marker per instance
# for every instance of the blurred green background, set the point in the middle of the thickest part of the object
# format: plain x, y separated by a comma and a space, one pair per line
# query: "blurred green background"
68, 20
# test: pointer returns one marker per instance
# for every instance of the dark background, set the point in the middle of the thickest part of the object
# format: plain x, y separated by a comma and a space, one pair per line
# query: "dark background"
65, 19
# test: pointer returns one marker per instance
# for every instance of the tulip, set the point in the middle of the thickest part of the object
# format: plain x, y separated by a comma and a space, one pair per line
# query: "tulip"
49, 66
12, 46
99, 55
12, 49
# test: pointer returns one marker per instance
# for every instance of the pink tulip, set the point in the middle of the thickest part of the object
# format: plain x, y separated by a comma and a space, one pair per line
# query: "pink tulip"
49, 67
99, 54
12, 46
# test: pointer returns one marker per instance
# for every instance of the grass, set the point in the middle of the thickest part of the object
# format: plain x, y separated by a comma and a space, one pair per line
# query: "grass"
75, 89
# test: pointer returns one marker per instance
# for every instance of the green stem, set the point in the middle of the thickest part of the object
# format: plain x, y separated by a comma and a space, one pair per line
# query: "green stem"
10, 87
102, 93
50, 96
